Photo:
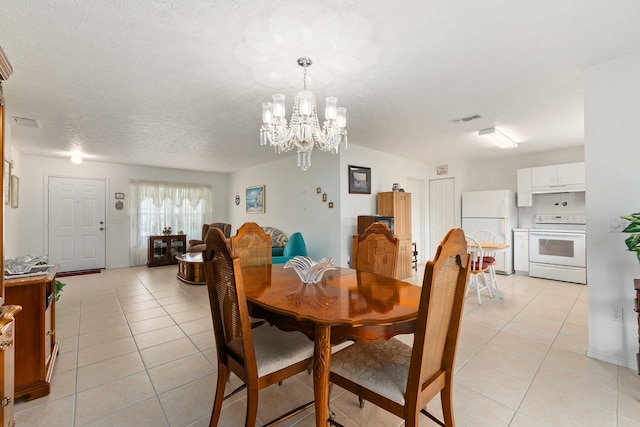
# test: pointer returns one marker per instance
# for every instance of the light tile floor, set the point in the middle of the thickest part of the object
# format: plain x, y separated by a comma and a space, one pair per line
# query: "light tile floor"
137, 349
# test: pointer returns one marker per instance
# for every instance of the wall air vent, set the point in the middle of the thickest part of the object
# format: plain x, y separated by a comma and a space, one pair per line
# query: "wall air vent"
22, 121
466, 119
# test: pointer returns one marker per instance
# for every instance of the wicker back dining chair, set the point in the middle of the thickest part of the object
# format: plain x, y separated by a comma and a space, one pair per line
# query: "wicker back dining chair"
259, 357
252, 245
403, 379
376, 251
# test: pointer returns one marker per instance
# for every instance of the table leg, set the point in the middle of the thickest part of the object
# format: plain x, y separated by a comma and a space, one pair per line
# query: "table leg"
321, 364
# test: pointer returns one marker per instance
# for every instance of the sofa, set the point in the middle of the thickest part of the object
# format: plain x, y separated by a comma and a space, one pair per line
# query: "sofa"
284, 248
278, 240
295, 246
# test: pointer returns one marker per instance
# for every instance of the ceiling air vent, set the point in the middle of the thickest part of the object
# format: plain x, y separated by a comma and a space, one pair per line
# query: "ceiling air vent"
22, 121
466, 119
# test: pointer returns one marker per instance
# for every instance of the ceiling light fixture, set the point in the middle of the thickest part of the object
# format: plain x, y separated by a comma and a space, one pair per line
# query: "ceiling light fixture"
497, 138
303, 131
76, 160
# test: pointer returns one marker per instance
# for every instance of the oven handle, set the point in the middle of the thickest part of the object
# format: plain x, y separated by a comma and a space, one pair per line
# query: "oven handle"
547, 233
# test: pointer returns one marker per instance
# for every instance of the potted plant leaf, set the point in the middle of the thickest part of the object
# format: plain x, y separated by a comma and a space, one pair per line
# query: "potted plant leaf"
59, 286
633, 241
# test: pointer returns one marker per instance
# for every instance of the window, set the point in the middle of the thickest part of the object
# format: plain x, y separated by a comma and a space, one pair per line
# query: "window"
155, 205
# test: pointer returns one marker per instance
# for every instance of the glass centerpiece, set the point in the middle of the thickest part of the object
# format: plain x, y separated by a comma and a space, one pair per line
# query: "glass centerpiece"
308, 270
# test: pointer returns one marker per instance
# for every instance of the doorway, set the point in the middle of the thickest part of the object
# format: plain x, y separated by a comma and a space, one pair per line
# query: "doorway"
442, 208
77, 223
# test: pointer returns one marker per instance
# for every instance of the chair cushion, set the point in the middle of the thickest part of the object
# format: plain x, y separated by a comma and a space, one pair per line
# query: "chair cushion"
488, 259
276, 349
474, 264
278, 239
381, 367
277, 251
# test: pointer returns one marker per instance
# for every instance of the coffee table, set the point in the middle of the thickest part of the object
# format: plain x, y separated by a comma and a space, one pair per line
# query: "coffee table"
191, 269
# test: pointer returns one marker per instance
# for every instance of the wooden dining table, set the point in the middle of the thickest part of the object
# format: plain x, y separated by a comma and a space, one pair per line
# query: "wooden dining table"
345, 305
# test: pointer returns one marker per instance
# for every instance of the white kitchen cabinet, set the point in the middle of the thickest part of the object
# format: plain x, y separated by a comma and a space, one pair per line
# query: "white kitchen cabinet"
521, 250
524, 196
571, 174
558, 178
544, 176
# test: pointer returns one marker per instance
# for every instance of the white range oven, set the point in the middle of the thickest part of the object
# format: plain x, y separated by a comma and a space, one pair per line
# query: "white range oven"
557, 248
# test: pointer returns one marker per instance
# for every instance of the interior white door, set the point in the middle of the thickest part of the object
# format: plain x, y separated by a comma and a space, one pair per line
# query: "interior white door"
442, 206
77, 223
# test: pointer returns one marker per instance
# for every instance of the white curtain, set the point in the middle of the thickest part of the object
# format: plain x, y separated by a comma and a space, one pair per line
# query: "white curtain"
155, 205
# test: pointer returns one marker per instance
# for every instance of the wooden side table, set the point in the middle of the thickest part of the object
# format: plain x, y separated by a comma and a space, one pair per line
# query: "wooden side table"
636, 285
36, 346
191, 269
7, 363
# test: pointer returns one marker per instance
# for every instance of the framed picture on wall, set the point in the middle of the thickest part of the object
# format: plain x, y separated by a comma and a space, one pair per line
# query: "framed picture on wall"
255, 199
359, 180
15, 191
6, 181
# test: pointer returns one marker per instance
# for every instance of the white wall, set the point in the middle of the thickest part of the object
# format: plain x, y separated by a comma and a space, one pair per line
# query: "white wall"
612, 91
386, 169
29, 220
500, 174
292, 203
12, 215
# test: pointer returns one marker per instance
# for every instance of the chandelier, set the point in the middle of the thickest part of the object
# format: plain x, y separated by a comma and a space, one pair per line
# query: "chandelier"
303, 131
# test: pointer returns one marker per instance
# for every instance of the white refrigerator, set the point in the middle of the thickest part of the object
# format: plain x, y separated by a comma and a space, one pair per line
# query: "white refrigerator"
493, 211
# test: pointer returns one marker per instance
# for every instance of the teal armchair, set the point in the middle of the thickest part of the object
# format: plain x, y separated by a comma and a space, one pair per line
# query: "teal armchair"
295, 246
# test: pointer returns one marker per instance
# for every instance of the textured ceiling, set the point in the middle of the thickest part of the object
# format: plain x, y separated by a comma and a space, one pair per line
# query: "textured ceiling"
179, 83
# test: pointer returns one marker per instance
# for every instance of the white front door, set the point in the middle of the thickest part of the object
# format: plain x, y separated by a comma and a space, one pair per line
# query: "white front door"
77, 223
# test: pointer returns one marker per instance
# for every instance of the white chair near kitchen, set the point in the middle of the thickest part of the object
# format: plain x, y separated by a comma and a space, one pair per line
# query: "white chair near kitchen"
477, 269
484, 237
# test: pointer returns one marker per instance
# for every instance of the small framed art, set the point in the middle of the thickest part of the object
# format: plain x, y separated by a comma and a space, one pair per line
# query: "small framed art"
359, 180
15, 191
255, 199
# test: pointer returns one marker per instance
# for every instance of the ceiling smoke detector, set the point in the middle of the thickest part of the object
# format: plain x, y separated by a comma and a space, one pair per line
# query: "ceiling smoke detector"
23, 121
466, 119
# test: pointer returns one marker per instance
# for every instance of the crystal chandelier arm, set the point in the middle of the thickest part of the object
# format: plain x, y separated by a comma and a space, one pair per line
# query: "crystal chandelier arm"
303, 131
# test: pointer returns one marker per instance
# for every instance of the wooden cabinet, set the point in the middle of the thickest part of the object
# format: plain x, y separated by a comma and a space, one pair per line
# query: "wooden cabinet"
521, 250
164, 249
398, 205
36, 346
7, 363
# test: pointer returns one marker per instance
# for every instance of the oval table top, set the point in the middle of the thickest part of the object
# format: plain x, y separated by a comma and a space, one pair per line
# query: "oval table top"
344, 296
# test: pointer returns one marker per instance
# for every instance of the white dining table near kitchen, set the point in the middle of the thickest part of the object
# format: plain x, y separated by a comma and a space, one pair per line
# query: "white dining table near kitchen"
492, 247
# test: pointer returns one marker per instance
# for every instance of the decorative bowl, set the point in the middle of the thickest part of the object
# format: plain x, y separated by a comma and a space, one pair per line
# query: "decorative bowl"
308, 270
